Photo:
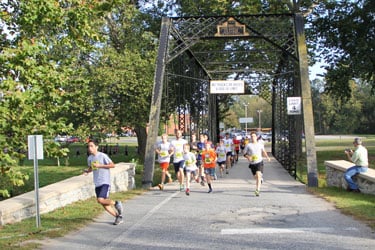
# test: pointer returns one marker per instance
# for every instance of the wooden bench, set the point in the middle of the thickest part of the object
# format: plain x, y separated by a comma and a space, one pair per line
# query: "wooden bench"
335, 171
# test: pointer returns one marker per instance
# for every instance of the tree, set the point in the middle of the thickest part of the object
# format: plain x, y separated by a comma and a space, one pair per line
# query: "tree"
123, 74
332, 113
38, 66
342, 35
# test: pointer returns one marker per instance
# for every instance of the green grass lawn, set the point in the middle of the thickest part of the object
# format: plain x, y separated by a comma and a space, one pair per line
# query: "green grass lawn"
70, 166
24, 235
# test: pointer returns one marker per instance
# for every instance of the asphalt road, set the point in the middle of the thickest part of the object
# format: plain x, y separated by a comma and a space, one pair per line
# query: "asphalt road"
284, 216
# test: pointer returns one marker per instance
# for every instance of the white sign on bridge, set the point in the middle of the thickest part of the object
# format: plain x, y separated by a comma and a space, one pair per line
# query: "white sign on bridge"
227, 87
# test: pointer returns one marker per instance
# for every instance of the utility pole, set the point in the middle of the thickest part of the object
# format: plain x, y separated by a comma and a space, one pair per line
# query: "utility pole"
259, 111
246, 118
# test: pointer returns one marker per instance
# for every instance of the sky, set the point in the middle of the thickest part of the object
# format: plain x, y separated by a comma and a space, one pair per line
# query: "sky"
316, 70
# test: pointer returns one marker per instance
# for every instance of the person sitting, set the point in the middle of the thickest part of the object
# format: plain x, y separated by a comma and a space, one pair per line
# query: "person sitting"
360, 158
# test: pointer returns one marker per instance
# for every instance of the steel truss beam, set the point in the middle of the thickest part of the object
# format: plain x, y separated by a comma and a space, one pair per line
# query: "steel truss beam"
269, 55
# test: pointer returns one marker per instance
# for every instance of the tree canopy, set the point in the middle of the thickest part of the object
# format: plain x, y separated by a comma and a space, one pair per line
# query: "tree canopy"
342, 36
85, 67
70, 67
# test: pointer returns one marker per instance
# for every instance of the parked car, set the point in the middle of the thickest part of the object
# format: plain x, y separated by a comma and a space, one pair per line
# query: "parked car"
285, 136
61, 138
266, 136
72, 139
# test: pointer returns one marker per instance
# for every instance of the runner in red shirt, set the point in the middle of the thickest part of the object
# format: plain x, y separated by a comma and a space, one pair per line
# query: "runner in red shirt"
236, 142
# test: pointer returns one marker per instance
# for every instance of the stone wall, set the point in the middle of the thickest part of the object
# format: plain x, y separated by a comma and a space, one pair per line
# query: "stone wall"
63, 193
335, 176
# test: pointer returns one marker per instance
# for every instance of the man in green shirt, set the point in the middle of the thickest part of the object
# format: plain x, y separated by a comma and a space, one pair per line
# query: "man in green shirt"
360, 158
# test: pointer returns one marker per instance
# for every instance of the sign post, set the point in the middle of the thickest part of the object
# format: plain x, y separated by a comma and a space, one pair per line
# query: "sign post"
35, 145
246, 120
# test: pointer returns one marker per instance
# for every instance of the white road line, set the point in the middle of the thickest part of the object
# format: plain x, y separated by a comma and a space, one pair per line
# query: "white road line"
142, 220
234, 231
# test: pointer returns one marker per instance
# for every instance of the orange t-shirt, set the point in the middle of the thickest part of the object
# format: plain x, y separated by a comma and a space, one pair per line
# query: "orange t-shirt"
209, 158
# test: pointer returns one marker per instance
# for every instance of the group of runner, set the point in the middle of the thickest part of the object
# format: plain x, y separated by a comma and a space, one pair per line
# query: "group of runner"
197, 160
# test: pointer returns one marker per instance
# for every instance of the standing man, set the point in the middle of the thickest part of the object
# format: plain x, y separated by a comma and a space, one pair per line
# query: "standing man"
360, 158
164, 158
253, 152
100, 164
177, 149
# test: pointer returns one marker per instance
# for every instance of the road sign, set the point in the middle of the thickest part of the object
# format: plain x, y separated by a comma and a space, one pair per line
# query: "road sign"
294, 105
35, 145
247, 120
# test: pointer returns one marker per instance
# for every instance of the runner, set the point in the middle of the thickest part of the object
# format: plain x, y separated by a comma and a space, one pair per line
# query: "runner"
190, 166
236, 142
200, 147
228, 142
177, 149
221, 156
253, 152
100, 164
164, 158
209, 159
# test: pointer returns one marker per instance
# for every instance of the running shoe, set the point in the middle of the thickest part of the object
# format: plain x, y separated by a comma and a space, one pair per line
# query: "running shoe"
256, 193
118, 220
161, 186
118, 206
187, 192
202, 183
209, 190
182, 187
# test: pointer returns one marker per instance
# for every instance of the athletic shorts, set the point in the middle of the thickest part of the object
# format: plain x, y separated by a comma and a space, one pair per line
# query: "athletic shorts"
256, 167
221, 163
164, 165
102, 191
229, 153
187, 171
209, 171
178, 165
199, 163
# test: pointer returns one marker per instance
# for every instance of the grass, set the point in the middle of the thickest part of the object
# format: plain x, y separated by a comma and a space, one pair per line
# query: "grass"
24, 235
359, 206
70, 166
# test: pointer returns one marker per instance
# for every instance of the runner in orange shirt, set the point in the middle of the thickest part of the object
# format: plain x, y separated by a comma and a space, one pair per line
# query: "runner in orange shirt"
209, 158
